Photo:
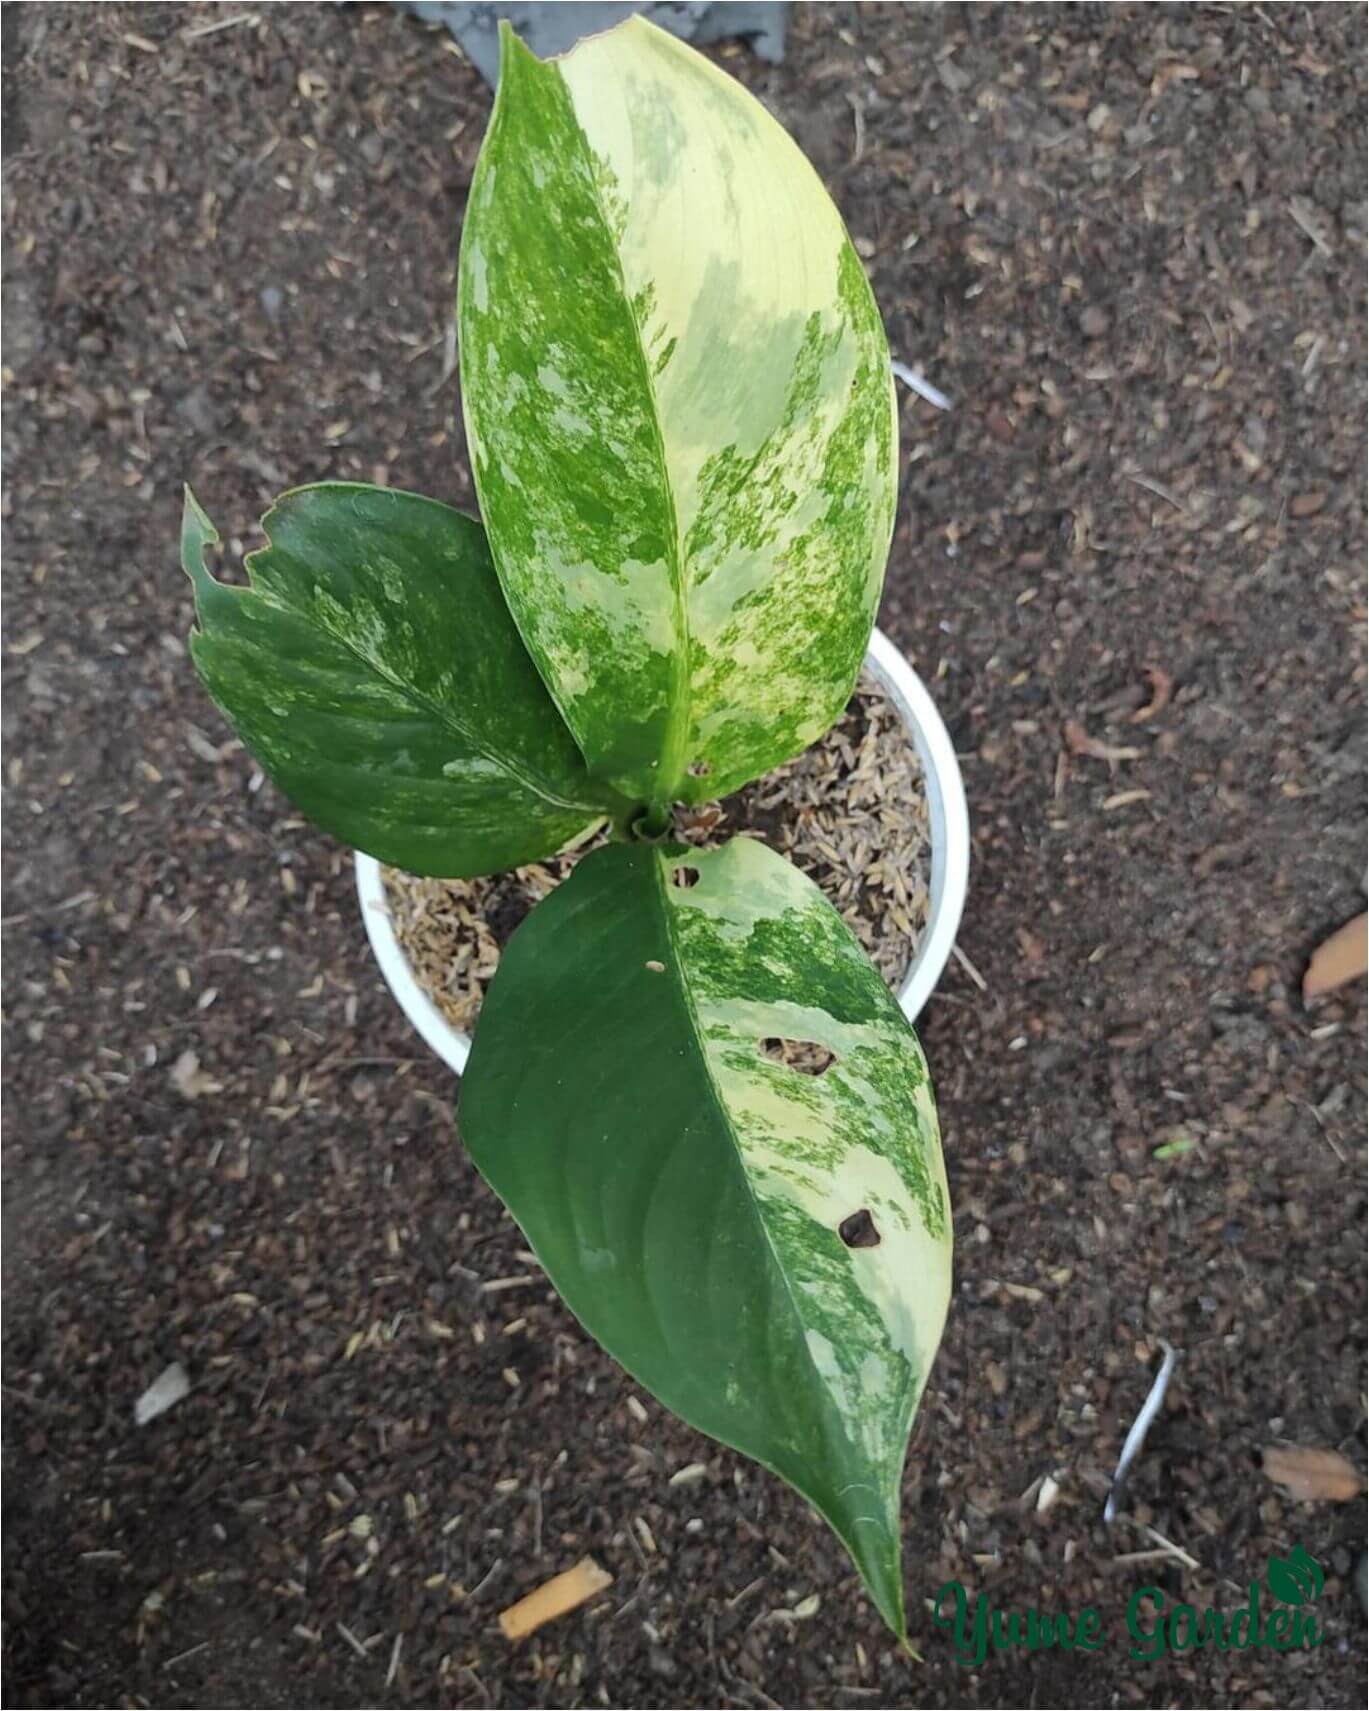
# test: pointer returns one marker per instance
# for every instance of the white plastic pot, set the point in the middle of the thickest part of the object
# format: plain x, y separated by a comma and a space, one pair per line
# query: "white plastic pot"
948, 823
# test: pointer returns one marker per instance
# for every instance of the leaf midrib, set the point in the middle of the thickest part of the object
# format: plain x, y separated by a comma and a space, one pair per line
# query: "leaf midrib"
677, 708
443, 715
658, 864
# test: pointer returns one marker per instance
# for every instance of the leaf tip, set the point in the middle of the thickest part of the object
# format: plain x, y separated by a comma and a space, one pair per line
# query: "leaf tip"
512, 48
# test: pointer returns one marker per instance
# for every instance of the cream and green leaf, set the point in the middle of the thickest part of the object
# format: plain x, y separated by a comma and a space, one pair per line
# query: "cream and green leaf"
373, 669
767, 1250
680, 412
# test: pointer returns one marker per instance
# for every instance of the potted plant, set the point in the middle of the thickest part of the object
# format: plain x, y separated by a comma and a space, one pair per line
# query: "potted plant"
436, 962
680, 414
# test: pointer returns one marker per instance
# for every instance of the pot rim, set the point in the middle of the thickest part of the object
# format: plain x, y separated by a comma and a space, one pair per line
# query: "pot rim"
948, 834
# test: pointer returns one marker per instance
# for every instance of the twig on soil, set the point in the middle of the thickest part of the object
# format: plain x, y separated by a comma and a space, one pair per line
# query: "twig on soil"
1136, 1437
858, 114
479, 1685
354, 1642
180, 1657
486, 1578
736, 1683
746, 1591
969, 968
1303, 219
1159, 489
1321, 1125
33, 1401
923, 387
495, 1284
448, 358
536, 1501
212, 29
422, 349
642, 1579
1171, 1549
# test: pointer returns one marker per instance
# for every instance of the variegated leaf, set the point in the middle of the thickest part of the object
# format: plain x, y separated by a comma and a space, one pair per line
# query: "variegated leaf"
374, 671
680, 412
767, 1250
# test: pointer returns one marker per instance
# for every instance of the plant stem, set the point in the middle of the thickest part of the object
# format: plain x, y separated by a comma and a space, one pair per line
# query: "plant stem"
652, 822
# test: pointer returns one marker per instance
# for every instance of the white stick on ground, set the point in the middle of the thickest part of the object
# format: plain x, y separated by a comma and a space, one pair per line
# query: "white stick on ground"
923, 387
1136, 1437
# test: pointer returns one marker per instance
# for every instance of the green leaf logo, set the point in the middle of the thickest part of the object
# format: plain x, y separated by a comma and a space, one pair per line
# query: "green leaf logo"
1296, 1578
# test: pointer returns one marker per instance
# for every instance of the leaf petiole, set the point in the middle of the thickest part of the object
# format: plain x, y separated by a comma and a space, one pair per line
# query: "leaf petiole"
651, 822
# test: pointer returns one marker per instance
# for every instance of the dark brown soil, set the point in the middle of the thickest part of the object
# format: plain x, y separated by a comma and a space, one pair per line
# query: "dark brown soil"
1129, 242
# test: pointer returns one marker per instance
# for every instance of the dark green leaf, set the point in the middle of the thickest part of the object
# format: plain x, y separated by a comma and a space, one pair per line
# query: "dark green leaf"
373, 669
765, 1247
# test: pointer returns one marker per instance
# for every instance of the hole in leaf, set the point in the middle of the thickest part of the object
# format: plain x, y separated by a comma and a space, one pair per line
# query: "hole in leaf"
805, 1056
858, 1231
684, 877
699, 769
656, 967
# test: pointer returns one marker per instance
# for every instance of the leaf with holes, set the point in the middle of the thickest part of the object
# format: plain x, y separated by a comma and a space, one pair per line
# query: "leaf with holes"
715, 1126
680, 412
373, 669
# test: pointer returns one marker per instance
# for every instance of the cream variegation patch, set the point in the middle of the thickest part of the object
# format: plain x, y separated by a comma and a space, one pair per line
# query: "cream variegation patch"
763, 955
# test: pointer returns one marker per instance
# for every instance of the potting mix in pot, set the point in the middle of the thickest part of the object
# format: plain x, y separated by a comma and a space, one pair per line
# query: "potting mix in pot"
689, 1083
850, 812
